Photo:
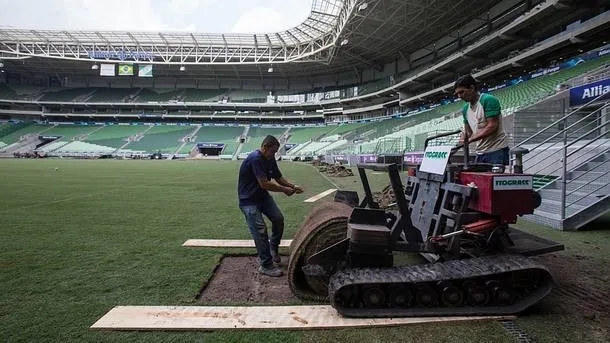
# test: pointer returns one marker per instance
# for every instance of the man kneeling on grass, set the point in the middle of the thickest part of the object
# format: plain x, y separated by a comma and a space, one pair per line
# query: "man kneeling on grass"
253, 188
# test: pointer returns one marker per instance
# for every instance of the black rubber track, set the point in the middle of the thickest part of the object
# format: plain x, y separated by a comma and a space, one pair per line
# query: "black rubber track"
477, 269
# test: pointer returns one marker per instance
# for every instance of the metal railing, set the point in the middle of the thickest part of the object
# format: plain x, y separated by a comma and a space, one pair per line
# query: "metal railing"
594, 75
573, 140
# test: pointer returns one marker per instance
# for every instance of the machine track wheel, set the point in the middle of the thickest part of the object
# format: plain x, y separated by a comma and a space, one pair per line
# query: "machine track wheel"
425, 295
476, 294
451, 295
373, 296
400, 296
323, 227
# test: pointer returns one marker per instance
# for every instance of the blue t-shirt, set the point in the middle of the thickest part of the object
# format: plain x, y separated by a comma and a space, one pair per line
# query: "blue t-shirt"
255, 167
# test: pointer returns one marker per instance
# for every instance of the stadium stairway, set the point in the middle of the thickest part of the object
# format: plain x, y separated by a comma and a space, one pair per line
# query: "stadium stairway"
571, 164
24, 139
84, 137
190, 141
587, 196
122, 147
241, 144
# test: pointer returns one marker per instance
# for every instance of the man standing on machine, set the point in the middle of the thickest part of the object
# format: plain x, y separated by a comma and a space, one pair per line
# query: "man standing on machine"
482, 122
253, 188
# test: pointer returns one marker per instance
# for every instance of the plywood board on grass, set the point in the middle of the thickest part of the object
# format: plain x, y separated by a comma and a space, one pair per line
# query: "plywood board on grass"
149, 318
228, 243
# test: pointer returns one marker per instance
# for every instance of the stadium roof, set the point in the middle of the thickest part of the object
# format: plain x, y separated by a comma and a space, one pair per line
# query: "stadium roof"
316, 33
321, 20
339, 36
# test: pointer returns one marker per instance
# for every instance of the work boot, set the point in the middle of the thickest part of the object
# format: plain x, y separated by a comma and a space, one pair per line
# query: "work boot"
270, 271
275, 256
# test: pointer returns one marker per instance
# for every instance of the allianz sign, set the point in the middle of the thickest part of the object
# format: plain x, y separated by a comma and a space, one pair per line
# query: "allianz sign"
586, 93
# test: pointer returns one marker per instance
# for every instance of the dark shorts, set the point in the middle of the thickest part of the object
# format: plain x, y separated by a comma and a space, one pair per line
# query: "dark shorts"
494, 157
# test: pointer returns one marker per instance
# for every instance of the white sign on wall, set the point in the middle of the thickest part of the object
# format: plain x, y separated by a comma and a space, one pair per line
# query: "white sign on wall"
435, 159
107, 69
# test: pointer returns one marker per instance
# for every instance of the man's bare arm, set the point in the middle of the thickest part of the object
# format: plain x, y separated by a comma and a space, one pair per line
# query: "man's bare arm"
282, 181
274, 187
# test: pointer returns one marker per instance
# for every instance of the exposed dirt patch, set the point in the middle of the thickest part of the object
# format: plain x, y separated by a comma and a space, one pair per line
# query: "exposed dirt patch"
581, 286
237, 280
580, 291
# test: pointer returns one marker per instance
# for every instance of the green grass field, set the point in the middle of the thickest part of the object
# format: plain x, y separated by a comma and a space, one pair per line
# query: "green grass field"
91, 235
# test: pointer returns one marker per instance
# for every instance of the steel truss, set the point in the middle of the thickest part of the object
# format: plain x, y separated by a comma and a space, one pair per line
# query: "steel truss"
314, 40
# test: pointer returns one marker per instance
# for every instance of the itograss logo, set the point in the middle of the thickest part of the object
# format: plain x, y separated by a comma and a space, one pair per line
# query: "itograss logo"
512, 182
436, 154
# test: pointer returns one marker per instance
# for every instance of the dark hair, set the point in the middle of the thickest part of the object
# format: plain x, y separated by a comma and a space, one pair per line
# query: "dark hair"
465, 81
270, 142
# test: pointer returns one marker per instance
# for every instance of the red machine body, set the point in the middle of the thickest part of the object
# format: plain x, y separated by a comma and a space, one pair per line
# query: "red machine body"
503, 195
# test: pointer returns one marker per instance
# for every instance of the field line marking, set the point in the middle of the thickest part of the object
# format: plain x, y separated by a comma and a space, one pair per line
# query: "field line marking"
326, 177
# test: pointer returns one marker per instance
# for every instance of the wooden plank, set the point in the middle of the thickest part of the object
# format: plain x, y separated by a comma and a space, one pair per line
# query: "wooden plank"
321, 195
228, 243
249, 318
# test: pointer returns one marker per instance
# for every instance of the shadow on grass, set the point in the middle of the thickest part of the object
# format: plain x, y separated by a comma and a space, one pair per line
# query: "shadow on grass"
601, 223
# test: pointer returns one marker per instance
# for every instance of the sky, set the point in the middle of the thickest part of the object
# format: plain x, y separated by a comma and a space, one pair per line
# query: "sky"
213, 16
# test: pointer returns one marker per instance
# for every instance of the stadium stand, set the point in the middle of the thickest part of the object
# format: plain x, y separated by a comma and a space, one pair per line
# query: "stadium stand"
114, 136
204, 95
14, 132
301, 135
521, 94
7, 92
113, 95
248, 96
67, 95
69, 132
370, 137
84, 148
166, 139
256, 136
229, 136
153, 95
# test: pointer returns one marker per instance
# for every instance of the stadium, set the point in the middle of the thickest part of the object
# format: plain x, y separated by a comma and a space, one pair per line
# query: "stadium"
116, 146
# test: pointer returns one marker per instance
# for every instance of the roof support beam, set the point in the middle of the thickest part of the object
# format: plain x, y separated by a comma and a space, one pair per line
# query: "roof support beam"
303, 32
314, 28
296, 40
322, 13
370, 64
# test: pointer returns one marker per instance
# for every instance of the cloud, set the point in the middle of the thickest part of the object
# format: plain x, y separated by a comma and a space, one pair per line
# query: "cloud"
121, 15
185, 7
110, 14
260, 20
155, 15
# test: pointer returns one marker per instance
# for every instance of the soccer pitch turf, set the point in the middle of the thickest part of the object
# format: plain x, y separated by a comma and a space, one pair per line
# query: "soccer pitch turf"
82, 236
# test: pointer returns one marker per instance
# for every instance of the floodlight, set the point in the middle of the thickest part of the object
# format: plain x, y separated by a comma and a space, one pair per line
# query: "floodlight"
270, 70
182, 68
1, 64
95, 67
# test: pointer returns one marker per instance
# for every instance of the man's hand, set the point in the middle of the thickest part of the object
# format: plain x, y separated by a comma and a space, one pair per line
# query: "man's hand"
289, 191
298, 189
